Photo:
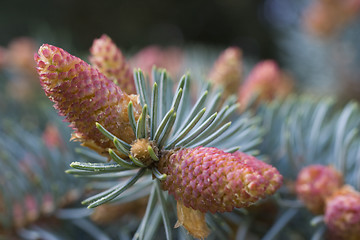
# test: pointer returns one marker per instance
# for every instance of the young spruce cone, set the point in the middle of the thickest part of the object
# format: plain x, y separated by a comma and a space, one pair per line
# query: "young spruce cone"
342, 214
227, 70
315, 183
210, 180
85, 96
267, 81
107, 57
324, 18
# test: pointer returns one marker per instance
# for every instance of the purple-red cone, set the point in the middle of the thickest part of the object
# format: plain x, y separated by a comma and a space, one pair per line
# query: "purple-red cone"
315, 183
107, 57
170, 58
267, 81
85, 96
342, 214
227, 70
209, 179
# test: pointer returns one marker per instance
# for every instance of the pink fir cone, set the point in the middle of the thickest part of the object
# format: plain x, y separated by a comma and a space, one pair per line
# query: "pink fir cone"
107, 57
266, 81
170, 58
20, 53
342, 214
315, 183
208, 179
85, 96
227, 71
326, 17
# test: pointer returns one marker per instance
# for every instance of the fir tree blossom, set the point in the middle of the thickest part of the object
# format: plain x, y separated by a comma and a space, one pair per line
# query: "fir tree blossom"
266, 81
315, 183
202, 179
342, 214
108, 58
227, 70
326, 17
210, 180
85, 96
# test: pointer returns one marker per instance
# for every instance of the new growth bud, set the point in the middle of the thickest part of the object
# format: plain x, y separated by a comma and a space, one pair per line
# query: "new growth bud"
85, 96
107, 57
266, 81
227, 71
210, 180
342, 214
140, 150
315, 183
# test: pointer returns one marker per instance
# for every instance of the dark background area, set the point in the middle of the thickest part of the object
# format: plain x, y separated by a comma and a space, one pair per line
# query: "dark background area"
135, 24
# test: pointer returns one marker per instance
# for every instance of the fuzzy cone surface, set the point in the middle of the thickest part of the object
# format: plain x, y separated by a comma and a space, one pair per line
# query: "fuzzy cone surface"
227, 70
108, 58
315, 183
85, 96
342, 214
267, 80
210, 180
